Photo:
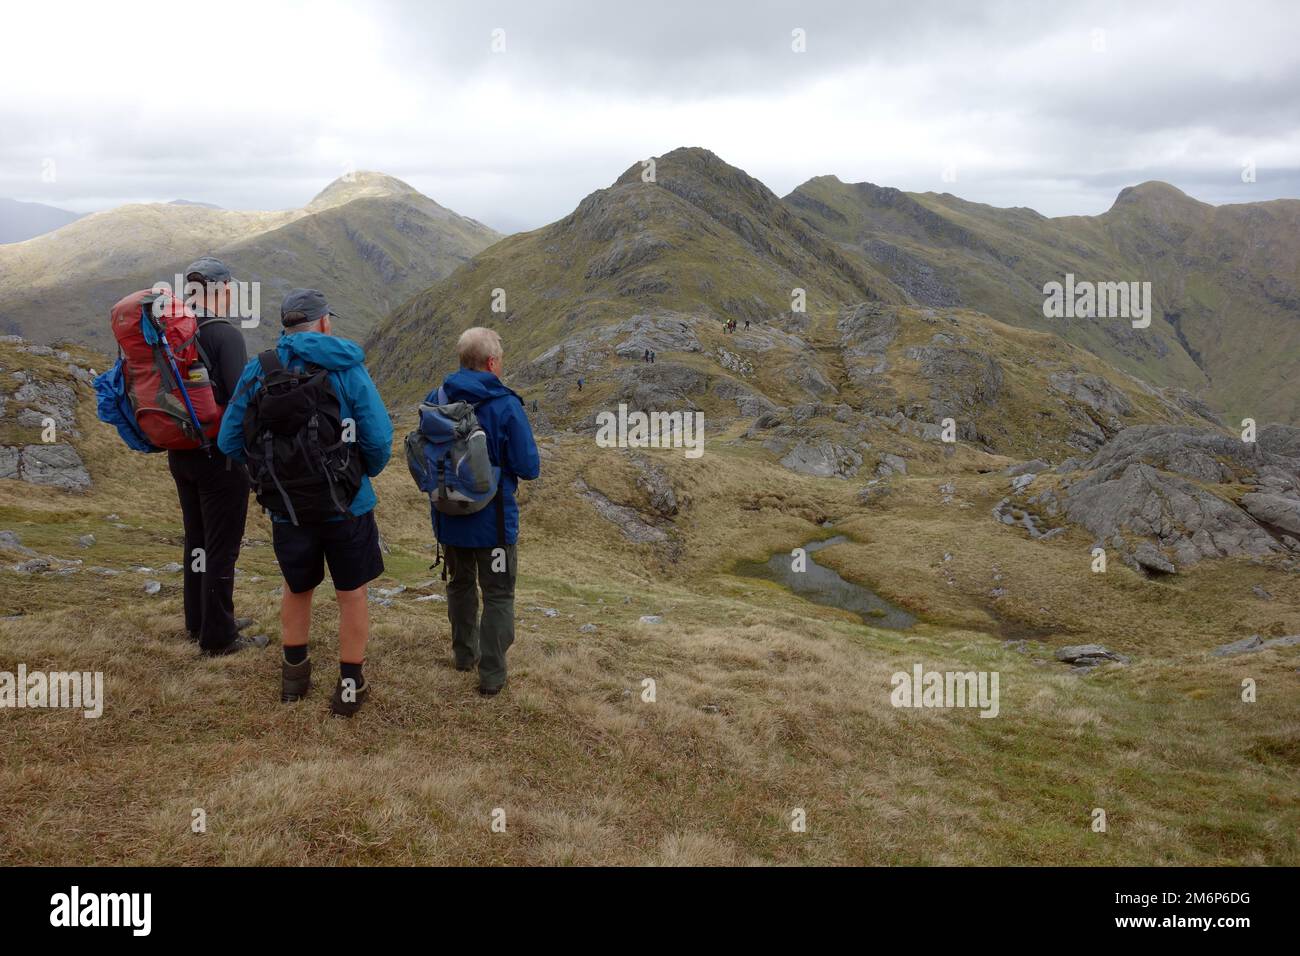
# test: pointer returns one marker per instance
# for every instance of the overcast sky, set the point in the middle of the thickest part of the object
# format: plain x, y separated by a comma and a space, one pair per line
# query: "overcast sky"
257, 105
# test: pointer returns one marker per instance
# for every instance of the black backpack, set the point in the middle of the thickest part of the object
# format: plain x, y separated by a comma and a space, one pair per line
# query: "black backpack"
300, 465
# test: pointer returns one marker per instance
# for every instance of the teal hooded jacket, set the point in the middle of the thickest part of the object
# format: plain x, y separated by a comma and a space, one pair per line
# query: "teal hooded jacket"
358, 400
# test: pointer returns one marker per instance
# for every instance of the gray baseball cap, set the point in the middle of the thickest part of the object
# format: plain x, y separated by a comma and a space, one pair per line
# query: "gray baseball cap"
303, 305
209, 269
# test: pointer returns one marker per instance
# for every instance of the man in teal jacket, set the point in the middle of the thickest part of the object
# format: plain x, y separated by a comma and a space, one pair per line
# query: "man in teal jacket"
350, 545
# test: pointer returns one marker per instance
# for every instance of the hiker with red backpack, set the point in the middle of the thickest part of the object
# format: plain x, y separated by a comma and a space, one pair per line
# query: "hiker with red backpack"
309, 422
178, 367
473, 445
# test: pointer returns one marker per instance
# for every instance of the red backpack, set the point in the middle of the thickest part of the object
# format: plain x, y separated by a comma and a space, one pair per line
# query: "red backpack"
168, 387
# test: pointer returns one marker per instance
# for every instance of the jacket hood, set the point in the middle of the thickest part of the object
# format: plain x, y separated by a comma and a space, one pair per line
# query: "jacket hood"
327, 351
470, 385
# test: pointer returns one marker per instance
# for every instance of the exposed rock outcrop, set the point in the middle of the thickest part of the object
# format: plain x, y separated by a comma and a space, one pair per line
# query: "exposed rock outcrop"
628, 520
1146, 493
866, 332
822, 458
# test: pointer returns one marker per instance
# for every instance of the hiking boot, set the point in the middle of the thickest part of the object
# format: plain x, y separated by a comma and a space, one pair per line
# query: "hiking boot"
467, 666
243, 622
341, 708
490, 691
240, 643
295, 680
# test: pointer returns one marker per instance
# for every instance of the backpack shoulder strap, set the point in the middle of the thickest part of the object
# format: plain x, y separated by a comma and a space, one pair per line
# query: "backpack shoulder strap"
270, 361
198, 339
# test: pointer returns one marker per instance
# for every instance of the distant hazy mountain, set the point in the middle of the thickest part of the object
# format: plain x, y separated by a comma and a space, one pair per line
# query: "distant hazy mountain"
191, 202
367, 240
26, 220
1225, 279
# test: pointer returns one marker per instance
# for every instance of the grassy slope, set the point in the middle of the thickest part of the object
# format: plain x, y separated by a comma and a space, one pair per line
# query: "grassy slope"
765, 702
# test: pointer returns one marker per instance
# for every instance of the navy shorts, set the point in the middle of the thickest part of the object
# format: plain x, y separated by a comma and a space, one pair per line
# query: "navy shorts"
350, 547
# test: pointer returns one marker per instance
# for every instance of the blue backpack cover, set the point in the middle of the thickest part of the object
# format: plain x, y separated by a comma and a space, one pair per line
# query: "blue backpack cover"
113, 406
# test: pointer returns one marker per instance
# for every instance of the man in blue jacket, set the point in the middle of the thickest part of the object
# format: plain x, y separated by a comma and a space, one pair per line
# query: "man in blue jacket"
480, 547
349, 544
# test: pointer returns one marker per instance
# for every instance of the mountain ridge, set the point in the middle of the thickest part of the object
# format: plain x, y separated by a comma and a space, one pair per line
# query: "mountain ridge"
1211, 268
368, 240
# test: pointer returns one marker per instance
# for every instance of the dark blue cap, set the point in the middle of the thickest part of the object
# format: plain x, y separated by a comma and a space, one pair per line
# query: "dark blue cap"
303, 305
208, 269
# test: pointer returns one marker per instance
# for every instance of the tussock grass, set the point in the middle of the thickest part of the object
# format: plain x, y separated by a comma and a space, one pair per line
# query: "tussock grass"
764, 702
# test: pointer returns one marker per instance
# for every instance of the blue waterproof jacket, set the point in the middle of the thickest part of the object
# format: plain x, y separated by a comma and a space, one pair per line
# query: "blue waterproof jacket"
358, 400
510, 446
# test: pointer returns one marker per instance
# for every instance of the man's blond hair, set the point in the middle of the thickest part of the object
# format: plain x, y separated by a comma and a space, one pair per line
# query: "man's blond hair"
476, 346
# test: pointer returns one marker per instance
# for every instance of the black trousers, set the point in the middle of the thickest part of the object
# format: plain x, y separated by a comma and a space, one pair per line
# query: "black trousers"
213, 492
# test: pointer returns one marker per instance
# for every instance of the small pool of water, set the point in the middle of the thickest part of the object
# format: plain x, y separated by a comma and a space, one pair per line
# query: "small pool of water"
821, 585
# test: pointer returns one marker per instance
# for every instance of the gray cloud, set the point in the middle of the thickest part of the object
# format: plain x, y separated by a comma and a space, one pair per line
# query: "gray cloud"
1025, 100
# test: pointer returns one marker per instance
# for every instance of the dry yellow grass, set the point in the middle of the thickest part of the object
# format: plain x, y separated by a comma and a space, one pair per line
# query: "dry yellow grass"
764, 703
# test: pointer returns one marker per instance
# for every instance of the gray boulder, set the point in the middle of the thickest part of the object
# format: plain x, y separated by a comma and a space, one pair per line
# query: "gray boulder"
822, 458
1035, 467
1248, 645
1282, 511
1243, 646
9, 541
1088, 655
10, 457
1148, 557
57, 465
890, 465
55, 400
